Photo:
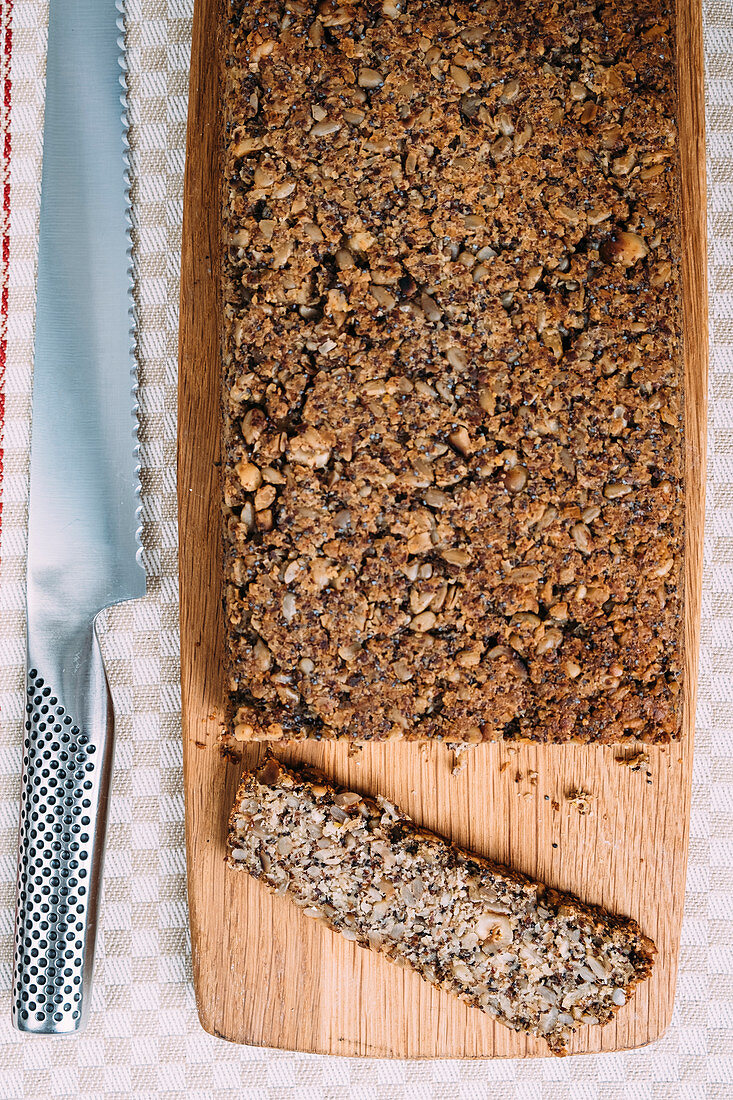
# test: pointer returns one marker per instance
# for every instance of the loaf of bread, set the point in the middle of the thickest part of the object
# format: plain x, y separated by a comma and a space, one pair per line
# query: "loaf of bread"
453, 394
539, 961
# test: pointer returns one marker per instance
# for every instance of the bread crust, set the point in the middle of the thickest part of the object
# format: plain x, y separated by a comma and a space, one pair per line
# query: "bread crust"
452, 374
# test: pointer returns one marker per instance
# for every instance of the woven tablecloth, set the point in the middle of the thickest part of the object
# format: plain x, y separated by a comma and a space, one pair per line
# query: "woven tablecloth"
143, 1039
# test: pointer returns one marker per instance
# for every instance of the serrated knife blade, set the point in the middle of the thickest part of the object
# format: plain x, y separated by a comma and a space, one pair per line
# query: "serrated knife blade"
83, 525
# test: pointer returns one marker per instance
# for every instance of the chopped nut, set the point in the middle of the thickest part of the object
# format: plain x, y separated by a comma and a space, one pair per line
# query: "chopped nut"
323, 129
461, 440
370, 78
249, 476
623, 248
424, 622
456, 557
515, 479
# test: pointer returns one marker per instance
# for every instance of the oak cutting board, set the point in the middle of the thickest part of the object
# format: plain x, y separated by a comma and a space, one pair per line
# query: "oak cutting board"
263, 973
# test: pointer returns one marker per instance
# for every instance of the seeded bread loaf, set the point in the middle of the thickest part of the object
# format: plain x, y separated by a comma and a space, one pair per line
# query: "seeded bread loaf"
453, 398
539, 961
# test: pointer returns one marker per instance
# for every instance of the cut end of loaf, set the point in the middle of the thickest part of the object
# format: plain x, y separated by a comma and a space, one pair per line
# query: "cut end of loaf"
537, 960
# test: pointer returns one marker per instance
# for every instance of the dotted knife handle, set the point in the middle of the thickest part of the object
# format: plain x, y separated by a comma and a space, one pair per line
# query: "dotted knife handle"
64, 792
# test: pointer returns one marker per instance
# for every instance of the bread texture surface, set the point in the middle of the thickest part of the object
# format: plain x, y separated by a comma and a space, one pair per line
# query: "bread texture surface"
452, 371
537, 960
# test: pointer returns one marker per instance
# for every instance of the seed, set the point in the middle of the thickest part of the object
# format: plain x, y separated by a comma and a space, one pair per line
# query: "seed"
461, 78
435, 499
315, 33
621, 166
487, 400
306, 665
591, 513
383, 297
526, 618
547, 518
461, 440
589, 113
616, 489
323, 129
420, 543
456, 358
249, 476
248, 516
349, 652
291, 571
551, 640
263, 657
354, 117
344, 259
521, 139
273, 476
505, 124
289, 606
598, 214
470, 105
456, 557
501, 148
430, 308
532, 277
515, 479
419, 600
424, 622
370, 78
439, 597
403, 671
581, 537
511, 89
572, 669
578, 91
264, 497
263, 177
524, 574
313, 232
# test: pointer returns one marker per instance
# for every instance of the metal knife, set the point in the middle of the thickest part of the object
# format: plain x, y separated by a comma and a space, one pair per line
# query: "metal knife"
83, 526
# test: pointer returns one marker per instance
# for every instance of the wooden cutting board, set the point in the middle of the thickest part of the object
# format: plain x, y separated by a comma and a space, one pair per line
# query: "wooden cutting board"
263, 973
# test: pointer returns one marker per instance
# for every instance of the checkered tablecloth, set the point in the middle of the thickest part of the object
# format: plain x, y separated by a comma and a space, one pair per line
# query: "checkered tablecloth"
143, 1039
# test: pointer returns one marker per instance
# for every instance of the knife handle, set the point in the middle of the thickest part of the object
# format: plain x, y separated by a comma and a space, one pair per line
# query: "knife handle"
67, 759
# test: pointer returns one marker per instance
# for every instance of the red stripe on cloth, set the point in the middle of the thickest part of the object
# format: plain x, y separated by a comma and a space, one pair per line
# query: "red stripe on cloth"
6, 45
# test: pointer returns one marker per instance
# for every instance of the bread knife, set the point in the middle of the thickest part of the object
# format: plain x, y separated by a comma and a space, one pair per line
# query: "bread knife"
84, 511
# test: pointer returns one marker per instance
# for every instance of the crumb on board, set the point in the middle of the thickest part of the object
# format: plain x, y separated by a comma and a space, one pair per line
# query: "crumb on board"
460, 758
581, 800
638, 759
